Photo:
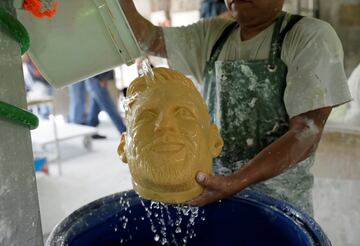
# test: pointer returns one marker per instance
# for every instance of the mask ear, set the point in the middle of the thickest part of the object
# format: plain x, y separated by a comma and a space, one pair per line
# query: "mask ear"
121, 148
216, 141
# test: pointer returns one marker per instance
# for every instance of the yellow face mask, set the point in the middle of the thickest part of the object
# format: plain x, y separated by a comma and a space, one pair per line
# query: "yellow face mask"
169, 137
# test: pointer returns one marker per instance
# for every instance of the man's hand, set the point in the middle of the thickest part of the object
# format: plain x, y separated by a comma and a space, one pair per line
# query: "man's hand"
215, 188
298, 143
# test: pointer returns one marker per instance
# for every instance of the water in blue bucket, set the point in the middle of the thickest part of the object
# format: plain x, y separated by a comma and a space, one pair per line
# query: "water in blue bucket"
248, 219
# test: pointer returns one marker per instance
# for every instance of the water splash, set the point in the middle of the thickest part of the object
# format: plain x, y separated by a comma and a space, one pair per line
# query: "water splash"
170, 224
149, 76
147, 70
172, 228
124, 220
127, 101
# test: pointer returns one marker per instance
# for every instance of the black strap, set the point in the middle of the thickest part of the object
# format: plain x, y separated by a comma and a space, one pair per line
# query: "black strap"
276, 46
278, 38
293, 20
223, 37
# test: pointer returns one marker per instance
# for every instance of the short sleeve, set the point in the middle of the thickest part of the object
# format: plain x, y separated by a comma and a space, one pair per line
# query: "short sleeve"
316, 78
352, 116
189, 47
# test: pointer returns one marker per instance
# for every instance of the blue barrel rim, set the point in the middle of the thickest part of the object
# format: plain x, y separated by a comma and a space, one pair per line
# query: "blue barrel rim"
299, 217
249, 196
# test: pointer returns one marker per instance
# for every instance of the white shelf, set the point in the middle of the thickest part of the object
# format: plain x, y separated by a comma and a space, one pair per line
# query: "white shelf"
45, 134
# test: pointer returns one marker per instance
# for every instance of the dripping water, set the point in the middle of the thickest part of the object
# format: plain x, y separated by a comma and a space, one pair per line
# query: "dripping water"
169, 224
147, 70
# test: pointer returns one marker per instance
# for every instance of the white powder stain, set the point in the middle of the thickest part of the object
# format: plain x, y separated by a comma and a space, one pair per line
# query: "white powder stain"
4, 187
250, 141
5, 232
252, 103
246, 70
310, 130
3, 190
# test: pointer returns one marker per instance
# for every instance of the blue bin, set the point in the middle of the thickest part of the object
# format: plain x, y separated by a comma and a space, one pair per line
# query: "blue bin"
250, 218
39, 163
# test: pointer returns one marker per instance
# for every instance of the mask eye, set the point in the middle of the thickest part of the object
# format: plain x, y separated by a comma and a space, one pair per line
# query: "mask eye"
147, 116
185, 113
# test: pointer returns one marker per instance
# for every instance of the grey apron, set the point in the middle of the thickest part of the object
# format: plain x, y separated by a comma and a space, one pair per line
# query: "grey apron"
245, 99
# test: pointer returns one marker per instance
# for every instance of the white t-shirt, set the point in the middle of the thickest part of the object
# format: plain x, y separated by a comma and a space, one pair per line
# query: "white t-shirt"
311, 50
353, 113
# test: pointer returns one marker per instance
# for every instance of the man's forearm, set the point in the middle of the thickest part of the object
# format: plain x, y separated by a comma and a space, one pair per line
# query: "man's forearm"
294, 146
275, 159
149, 36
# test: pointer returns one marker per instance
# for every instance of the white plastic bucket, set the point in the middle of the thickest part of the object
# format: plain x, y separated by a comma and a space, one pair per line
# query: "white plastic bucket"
86, 37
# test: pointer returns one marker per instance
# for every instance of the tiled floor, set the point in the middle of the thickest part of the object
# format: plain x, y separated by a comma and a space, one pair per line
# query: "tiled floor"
86, 176
91, 175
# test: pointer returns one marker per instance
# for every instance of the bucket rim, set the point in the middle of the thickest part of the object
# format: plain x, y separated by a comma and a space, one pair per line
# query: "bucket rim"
65, 228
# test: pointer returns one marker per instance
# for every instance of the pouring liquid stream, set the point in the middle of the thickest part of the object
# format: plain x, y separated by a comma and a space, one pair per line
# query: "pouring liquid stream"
147, 70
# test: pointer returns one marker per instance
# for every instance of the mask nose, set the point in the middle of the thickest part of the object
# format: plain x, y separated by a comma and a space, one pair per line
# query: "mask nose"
165, 122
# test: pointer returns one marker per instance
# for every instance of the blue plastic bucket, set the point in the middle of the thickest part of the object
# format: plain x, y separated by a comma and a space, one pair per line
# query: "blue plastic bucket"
39, 163
248, 219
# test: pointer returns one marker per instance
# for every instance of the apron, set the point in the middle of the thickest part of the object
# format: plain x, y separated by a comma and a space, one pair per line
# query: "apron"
245, 100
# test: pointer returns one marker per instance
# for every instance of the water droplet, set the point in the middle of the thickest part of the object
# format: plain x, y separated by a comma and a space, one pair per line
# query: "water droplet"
165, 223
153, 229
163, 241
147, 70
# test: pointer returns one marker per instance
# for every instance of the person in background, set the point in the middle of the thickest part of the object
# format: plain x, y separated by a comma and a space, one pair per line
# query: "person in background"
352, 116
100, 99
270, 80
36, 85
211, 8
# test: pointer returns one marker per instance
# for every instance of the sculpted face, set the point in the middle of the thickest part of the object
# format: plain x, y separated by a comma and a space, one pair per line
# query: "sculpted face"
169, 139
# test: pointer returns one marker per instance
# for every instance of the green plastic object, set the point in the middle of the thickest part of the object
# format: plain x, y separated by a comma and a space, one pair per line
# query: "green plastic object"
18, 115
11, 26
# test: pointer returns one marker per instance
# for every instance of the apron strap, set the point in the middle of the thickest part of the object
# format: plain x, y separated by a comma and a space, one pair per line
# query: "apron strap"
276, 41
293, 20
215, 52
275, 45
278, 38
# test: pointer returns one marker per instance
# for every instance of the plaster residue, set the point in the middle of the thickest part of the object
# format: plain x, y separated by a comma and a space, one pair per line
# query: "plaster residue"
310, 130
219, 169
247, 71
5, 232
4, 188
